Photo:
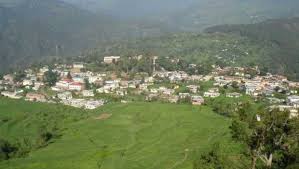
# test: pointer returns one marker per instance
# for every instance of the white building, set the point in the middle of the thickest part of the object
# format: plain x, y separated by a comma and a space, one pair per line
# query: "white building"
94, 79
154, 91
111, 59
76, 86
211, 94
88, 93
65, 95
166, 91
149, 80
93, 104
44, 69
197, 100
111, 85
78, 79
293, 111
11, 95
292, 99
233, 95
143, 87
184, 95
79, 103
27, 82
63, 84
37, 85
78, 65
193, 88
8, 78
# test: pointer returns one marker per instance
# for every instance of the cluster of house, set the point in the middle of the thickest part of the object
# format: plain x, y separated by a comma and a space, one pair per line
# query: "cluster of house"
290, 104
66, 98
73, 81
264, 86
64, 87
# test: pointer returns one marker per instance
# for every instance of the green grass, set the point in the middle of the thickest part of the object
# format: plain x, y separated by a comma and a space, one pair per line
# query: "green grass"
136, 136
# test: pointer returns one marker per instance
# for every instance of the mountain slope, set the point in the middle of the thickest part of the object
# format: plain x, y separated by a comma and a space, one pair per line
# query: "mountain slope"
34, 29
281, 33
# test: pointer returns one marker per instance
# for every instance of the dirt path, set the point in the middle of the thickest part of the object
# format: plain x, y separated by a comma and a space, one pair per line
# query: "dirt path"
181, 161
103, 116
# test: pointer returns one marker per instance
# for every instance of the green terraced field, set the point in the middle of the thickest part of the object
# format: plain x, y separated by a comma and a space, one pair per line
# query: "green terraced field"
135, 136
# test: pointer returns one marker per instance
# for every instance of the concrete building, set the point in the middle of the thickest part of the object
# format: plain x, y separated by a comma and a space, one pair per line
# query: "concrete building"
111, 59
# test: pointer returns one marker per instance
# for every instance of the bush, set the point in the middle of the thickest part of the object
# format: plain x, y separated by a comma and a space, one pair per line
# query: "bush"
44, 138
6, 150
210, 160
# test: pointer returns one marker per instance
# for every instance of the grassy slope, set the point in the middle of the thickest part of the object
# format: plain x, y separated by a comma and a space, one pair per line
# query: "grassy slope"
137, 135
20, 119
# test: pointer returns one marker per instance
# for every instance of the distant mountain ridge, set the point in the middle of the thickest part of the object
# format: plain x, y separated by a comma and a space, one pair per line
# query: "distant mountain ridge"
194, 15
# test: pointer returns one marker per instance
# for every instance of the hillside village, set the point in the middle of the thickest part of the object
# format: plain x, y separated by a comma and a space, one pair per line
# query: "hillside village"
75, 86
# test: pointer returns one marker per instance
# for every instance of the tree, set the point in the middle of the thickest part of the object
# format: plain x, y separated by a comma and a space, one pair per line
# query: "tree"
145, 65
19, 76
270, 139
165, 63
205, 69
69, 76
235, 85
87, 84
44, 137
50, 78
210, 160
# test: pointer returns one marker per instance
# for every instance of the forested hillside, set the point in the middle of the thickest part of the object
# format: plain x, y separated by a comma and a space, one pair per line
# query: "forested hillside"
272, 45
283, 34
201, 49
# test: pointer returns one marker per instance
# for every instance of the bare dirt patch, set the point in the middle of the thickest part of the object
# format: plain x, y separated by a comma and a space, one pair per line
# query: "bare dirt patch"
103, 116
